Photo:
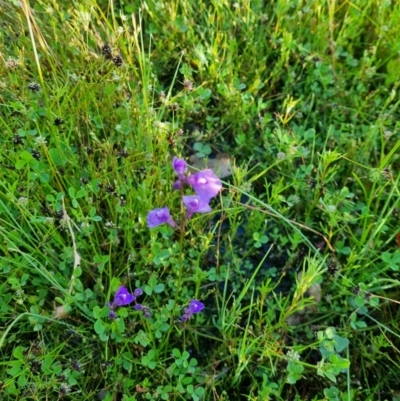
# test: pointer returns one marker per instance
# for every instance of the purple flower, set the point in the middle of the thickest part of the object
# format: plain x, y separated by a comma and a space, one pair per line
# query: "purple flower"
195, 204
205, 183
122, 297
180, 167
160, 216
195, 306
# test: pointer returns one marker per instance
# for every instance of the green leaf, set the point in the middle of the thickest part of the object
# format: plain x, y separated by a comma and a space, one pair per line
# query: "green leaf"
176, 353
330, 332
148, 290
330, 376
152, 281
22, 380
340, 343
342, 363
186, 380
331, 392
18, 352
81, 193
292, 378
199, 391
58, 160
123, 312
121, 325
359, 301
28, 158
99, 327
77, 272
159, 288
20, 164
96, 312
360, 324
15, 368
295, 367
206, 93
71, 192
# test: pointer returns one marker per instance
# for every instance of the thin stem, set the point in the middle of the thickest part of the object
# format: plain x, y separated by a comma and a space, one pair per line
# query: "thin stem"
181, 238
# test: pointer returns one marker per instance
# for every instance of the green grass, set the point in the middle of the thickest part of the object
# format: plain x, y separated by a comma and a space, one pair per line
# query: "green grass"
298, 262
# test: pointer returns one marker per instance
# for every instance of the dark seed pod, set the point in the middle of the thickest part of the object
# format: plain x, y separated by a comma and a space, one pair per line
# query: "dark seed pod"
76, 365
34, 87
17, 140
59, 215
58, 121
110, 189
312, 183
35, 154
35, 365
123, 153
106, 51
332, 267
117, 60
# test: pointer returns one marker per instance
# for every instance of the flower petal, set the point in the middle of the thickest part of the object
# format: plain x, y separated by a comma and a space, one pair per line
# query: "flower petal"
160, 216
205, 183
195, 306
179, 166
122, 297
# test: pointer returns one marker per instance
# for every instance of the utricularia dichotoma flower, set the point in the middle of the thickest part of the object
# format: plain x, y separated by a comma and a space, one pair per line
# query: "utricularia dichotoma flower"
195, 306
206, 185
123, 298
160, 216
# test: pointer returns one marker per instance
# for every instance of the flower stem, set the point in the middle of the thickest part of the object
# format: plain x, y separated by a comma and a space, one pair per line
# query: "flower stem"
181, 238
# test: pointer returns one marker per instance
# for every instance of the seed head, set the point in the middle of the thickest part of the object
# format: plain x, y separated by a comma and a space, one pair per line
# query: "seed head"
117, 60
106, 51
34, 87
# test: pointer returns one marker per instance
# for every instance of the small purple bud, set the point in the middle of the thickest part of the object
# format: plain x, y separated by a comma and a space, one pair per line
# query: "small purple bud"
179, 166
178, 184
147, 314
112, 314
138, 292
138, 307
160, 216
185, 317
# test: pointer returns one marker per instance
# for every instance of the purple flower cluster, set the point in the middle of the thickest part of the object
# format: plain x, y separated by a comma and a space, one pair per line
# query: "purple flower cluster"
206, 185
123, 297
195, 306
